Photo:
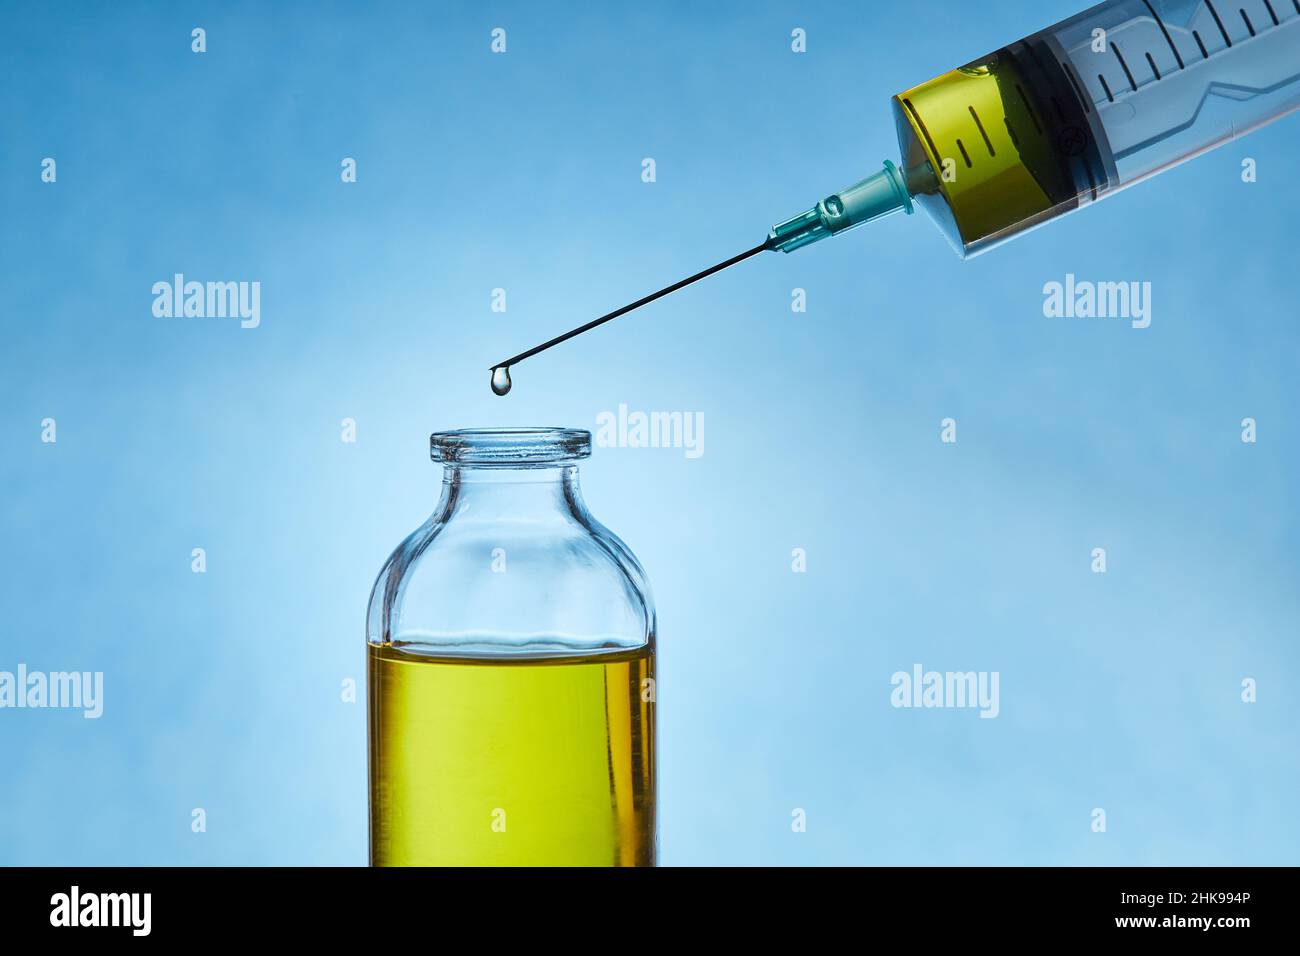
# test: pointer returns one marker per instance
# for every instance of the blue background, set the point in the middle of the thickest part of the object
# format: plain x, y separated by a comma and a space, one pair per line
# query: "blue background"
523, 171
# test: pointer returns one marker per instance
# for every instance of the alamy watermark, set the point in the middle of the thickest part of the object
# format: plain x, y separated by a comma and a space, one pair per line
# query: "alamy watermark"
950, 689
129, 910
209, 300
634, 429
72, 690
1084, 299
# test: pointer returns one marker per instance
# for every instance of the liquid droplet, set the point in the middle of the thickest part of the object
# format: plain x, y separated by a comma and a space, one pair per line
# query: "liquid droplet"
501, 380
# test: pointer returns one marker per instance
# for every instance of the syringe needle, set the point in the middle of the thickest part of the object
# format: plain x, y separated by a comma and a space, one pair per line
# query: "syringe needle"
634, 305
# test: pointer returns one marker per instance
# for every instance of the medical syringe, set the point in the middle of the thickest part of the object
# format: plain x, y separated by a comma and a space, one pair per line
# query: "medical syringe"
1056, 121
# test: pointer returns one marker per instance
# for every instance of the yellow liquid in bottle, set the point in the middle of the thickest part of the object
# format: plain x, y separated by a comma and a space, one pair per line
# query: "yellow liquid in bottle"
523, 762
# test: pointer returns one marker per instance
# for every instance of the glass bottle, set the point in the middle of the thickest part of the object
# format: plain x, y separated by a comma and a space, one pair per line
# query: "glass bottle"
511, 670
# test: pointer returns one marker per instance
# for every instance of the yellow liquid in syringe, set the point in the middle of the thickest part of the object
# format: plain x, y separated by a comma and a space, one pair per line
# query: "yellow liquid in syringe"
524, 762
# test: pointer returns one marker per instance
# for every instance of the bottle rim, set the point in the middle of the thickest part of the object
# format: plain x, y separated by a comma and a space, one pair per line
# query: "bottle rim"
510, 446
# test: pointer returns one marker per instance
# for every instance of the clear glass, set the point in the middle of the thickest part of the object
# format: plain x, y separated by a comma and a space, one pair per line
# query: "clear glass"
511, 670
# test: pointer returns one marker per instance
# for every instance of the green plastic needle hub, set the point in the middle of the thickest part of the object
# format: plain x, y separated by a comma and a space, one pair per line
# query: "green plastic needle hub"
874, 197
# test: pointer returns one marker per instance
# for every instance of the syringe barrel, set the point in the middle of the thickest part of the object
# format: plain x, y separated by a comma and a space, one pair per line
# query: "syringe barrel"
1078, 111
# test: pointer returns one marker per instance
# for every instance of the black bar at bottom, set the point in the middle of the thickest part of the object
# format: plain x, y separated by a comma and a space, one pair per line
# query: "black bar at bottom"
334, 906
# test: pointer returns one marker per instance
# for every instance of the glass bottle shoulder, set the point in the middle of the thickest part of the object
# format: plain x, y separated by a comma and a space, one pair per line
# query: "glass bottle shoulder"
482, 577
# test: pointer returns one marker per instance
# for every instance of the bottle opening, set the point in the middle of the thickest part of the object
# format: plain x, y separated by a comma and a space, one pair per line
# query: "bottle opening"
510, 446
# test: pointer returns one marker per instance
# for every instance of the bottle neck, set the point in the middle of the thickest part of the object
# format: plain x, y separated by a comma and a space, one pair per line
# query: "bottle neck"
504, 493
